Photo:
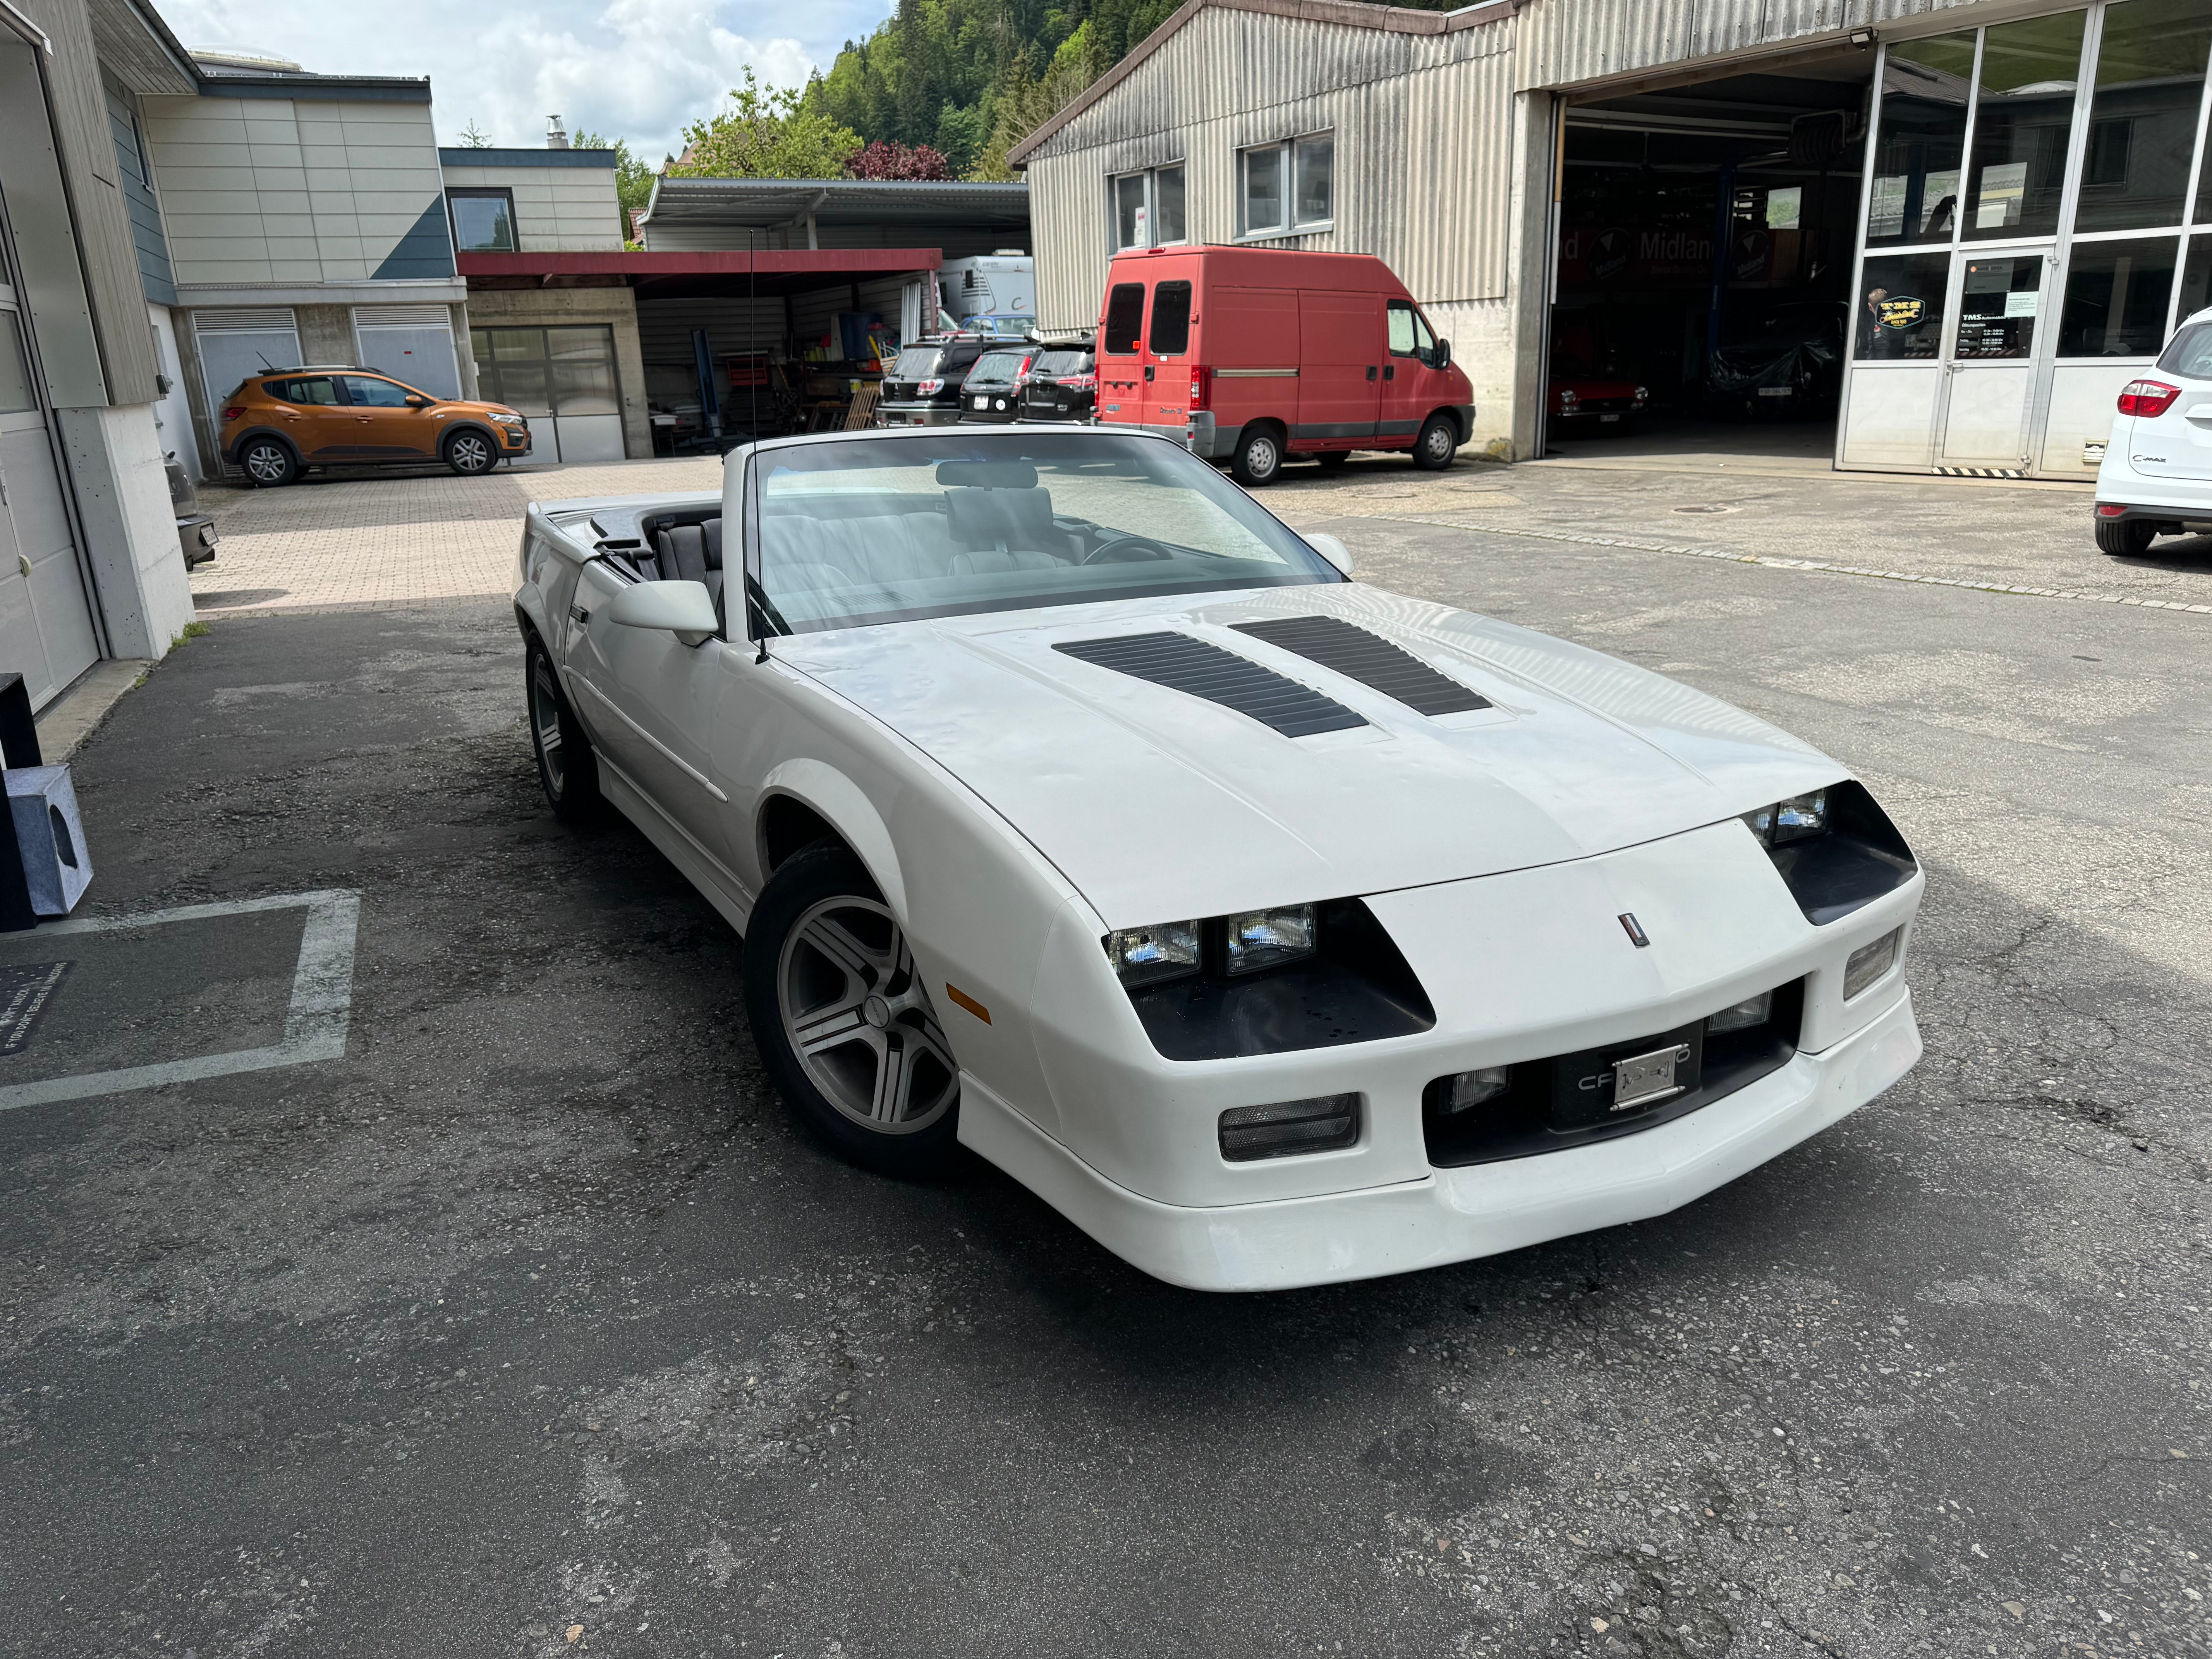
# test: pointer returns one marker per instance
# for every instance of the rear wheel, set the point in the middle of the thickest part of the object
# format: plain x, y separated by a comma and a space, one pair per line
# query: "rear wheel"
1258, 458
567, 769
470, 454
269, 462
844, 1024
1438, 442
2126, 538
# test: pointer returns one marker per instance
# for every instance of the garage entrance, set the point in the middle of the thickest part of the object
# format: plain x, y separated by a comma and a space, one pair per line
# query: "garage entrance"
1705, 240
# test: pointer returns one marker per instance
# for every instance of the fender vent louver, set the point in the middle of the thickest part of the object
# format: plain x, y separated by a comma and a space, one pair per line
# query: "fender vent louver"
1356, 654
1182, 663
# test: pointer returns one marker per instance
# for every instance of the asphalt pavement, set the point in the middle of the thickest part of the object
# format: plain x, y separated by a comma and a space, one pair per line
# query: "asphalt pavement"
529, 1326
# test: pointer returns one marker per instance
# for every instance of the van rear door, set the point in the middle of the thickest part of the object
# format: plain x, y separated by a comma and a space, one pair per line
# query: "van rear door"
1341, 358
1167, 354
1121, 355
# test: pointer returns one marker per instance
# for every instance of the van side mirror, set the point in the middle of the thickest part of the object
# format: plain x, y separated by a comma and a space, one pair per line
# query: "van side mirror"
684, 609
1442, 355
1330, 548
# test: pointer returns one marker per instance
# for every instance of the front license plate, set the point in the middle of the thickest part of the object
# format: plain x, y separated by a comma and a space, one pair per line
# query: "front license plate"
1776, 391
1642, 1078
1603, 418
1624, 1080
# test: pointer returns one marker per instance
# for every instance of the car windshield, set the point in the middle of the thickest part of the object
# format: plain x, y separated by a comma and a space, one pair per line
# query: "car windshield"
995, 366
1063, 362
891, 529
918, 363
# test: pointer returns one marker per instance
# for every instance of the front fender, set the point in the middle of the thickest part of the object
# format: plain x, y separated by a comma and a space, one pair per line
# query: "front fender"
847, 809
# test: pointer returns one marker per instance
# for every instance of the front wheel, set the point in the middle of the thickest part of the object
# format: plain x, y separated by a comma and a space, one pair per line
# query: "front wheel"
1258, 457
269, 462
2126, 538
1438, 442
567, 769
470, 455
845, 1025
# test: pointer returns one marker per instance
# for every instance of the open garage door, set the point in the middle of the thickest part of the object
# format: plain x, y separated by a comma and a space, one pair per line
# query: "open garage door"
1706, 235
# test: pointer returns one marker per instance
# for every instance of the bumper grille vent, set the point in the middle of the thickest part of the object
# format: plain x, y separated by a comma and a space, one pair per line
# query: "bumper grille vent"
1184, 663
1354, 652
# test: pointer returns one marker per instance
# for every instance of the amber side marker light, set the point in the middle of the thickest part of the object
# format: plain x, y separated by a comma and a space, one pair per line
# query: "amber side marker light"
968, 1002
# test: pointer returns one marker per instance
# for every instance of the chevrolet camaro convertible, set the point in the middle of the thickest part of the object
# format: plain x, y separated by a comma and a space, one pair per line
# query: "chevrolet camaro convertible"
1274, 929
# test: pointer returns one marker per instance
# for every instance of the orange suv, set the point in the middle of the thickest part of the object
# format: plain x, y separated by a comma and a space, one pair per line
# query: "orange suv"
277, 425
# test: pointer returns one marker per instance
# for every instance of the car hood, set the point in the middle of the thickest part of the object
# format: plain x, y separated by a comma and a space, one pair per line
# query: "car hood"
1157, 804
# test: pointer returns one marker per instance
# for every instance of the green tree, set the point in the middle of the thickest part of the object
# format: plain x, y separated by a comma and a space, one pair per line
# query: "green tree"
767, 133
632, 178
470, 138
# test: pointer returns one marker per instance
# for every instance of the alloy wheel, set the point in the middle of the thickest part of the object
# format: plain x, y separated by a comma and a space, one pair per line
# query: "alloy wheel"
470, 453
267, 464
545, 721
859, 1021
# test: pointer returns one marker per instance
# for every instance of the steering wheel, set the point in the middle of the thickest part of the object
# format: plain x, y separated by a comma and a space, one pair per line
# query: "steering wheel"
1125, 550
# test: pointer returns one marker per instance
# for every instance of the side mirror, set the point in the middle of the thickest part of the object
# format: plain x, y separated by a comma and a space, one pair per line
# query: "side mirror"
1444, 354
1330, 548
684, 609
415, 400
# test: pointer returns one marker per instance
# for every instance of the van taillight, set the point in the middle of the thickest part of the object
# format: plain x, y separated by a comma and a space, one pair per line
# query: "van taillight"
2149, 399
1201, 386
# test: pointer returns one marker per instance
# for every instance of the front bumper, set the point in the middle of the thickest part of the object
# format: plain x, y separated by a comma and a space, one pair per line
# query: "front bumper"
1451, 1215
932, 414
514, 439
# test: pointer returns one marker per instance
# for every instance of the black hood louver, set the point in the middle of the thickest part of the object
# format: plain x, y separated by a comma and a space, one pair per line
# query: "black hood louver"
1348, 649
1184, 663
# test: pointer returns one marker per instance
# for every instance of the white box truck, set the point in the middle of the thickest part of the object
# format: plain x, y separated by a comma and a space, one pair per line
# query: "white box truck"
990, 292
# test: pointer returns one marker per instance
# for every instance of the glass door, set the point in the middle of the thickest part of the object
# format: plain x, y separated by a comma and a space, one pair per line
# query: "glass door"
1989, 373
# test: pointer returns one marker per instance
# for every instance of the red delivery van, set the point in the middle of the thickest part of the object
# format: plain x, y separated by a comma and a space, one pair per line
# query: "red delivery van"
1249, 353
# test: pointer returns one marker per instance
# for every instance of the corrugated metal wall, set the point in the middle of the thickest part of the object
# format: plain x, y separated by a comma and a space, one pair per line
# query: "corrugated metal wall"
1425, 125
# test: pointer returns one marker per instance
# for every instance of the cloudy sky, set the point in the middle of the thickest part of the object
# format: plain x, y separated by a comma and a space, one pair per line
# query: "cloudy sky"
638, 69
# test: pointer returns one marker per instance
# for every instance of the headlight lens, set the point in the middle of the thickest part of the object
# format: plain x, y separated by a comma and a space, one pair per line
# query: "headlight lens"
1871, 961
1263, 939
1801, 818
1751, 1011
1467, 1089
505, 419
1146, 956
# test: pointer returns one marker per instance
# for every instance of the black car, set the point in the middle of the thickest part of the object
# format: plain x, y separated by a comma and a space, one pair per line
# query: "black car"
923, 388
992, 391
1779, 362
1063, 386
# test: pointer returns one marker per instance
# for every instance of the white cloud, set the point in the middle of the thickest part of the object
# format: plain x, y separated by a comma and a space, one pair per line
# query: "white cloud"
639, 70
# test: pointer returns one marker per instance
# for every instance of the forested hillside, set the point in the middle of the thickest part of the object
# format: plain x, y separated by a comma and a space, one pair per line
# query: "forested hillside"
971, 77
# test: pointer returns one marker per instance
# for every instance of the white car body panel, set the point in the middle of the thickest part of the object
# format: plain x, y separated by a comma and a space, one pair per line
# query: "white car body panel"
2164, 461
1014, 803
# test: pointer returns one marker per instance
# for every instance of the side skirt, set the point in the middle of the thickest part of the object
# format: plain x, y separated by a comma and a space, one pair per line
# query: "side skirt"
701, 868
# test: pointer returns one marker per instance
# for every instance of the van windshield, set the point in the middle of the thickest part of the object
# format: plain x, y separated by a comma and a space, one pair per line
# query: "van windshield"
892, 529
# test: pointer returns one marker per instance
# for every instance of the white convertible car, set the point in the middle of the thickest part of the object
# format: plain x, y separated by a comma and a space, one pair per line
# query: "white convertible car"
1274, 929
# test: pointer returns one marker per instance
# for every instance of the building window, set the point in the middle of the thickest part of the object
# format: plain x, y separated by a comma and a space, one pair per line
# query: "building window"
2116, 297
484, 219
1148, 208
1287, 188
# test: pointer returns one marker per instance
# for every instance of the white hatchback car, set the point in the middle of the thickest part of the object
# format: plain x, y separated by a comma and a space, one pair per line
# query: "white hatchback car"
1274, 929
2156, 477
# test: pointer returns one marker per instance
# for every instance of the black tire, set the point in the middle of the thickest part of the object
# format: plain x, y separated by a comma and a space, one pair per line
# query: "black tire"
567, 771
1331, 460
1258, 457
2126, 538
469, 454
1438, 444
268, 463
868, 1003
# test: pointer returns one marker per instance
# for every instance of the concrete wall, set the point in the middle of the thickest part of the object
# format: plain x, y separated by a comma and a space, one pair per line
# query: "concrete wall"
552, 308
282, 190
130, 530
557, 208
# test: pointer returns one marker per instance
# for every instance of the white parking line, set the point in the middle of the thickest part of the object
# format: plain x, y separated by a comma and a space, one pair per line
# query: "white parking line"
314, 1022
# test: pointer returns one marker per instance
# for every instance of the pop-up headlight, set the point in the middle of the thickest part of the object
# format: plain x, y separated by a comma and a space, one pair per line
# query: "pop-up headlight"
1265, 939
1146, 956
